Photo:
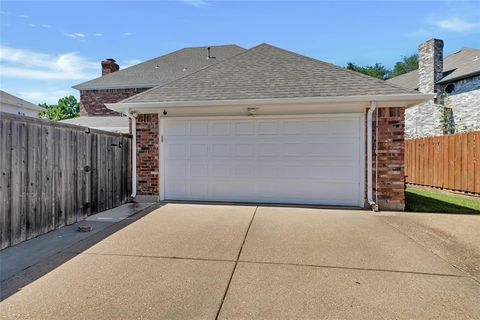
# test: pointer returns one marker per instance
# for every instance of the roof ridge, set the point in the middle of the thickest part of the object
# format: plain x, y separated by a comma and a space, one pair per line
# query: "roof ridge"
187, 75
216, 45
114, 74
122, 70
334, 66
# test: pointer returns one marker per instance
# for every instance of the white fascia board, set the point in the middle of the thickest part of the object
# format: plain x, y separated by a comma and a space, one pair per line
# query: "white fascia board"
405, 99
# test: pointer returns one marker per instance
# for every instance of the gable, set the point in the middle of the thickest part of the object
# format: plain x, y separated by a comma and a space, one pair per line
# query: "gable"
267, 72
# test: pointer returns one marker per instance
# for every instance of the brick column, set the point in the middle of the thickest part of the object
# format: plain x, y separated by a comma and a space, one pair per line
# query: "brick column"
147, 155
391, 183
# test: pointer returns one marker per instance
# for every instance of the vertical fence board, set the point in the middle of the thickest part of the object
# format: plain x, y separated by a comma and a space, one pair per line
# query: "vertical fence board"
450, 162
476, 152
34, 133
54, 174
18, 207
5, 186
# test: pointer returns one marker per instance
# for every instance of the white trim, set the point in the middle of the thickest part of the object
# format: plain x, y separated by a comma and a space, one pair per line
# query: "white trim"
373, 106
413, 99
362, 135
362, 160
134, 152
161, 168
263, 116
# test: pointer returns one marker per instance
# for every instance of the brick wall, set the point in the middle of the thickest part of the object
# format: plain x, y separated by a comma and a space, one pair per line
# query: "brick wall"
391, 125
92, 102
147, 154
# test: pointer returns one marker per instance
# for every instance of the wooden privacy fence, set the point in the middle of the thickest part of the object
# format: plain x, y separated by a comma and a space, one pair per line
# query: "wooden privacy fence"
449, 162
55, 174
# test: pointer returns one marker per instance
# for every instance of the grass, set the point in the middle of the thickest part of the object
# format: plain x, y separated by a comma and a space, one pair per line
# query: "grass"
422, 200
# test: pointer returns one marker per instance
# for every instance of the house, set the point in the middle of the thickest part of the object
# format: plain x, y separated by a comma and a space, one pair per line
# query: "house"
455, 79
115, 85
12, 104
267, 125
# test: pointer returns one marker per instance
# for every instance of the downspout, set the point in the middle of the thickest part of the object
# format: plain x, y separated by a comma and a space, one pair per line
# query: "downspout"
373, 204
133, 117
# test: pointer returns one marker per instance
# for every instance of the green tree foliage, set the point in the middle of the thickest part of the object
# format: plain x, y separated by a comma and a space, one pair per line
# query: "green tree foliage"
376, 71
66, 108
407, 64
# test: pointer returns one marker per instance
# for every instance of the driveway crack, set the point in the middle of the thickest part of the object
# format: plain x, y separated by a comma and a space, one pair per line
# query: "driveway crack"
236, 263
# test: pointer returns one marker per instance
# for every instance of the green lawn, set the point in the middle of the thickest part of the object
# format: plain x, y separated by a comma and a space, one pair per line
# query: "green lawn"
421, 200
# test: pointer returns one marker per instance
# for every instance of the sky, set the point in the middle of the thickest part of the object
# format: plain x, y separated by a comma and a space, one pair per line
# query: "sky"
47, 47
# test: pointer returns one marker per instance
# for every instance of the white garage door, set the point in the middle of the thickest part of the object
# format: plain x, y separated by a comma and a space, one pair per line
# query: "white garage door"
314, 160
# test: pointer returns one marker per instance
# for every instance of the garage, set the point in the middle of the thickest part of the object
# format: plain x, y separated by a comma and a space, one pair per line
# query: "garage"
284, 159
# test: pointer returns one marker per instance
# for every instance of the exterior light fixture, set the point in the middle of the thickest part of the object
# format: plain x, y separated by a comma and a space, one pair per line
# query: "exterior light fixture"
252, 112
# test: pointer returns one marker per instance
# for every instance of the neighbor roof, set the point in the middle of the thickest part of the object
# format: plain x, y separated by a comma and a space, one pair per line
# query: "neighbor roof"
7, 98
267, 72
459, 65
163, 69
107, 123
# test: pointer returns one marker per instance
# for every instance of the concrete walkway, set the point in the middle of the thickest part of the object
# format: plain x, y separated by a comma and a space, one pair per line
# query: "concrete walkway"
29, 253
185, 261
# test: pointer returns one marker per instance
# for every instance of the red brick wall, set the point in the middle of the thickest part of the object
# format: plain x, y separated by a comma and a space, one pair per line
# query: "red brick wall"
391, 126
147, 154
92, 102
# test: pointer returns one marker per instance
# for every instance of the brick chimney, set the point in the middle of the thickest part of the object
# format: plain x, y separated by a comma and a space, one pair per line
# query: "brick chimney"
109, 66
430, 65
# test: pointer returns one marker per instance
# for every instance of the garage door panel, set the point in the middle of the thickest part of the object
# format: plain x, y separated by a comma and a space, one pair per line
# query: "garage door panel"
221, 128
309, 160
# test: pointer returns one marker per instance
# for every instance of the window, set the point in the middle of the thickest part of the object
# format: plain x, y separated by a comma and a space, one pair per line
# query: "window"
450, 88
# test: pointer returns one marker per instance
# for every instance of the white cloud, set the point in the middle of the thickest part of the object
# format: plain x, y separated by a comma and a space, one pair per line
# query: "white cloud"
31, 25
98, 34
26, 64
24, 16
75, 35
129, 63
48, 96
195, 3
45, 26
127, 34
456, 24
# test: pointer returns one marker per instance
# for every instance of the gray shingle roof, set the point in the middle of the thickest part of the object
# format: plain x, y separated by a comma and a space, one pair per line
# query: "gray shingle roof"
163, 69
267, 72
461, 64
7, 98
107, 123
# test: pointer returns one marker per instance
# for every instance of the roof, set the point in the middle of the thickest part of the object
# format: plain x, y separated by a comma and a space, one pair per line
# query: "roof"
107, 123
162, 69
459, 65
267, 72
7, 98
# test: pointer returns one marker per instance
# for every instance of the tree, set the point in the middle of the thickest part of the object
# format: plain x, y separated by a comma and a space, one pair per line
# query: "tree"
66, 108
376, 71
407, 64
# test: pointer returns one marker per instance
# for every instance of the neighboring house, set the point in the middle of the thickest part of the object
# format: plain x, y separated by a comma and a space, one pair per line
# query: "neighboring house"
117, 124
264, 125
115, 85
12, 104
455, 79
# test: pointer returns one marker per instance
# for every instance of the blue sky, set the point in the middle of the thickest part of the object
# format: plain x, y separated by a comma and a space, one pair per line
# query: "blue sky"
46, 47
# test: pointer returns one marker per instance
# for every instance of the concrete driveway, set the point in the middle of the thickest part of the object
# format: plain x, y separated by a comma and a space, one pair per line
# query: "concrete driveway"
186, 261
